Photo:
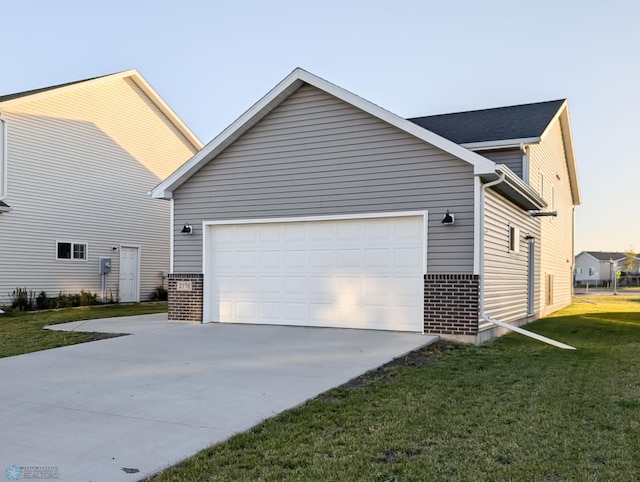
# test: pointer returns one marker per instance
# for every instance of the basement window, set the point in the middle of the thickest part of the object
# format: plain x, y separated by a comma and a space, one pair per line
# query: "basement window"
66, 250
514, 239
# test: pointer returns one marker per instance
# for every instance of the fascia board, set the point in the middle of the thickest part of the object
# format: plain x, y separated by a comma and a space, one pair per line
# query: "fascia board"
282, 90
562, 116
142, 83
65, 88
137, 78
523, 188
501, 144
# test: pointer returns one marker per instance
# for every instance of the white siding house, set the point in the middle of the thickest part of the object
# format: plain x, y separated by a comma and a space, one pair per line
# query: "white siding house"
319, 208
597, 268
76, 163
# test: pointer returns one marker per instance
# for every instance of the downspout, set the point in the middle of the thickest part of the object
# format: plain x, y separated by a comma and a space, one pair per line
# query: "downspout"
483, 315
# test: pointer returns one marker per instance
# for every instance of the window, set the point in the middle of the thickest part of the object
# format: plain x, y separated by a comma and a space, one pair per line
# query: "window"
578, 271
592, 272
514, 239
71, 250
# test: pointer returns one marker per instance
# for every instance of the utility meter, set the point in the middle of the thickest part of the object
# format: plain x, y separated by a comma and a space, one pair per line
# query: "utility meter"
105, 265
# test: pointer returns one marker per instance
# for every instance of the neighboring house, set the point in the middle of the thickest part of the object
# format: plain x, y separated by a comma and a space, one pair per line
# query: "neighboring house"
76, 163
319, 208
597, 268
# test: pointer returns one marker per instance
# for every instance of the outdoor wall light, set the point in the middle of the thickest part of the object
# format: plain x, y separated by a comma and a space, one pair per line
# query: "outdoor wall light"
448, 218
187, 229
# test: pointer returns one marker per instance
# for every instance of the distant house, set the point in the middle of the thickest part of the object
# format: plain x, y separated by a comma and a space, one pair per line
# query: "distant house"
597, 268
319, 208
76, 163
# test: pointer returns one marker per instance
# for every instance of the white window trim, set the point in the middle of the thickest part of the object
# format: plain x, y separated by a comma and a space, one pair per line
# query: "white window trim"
541, 184
73, 243
513, 238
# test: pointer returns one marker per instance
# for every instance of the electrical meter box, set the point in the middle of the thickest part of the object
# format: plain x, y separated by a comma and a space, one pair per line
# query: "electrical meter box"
105, 265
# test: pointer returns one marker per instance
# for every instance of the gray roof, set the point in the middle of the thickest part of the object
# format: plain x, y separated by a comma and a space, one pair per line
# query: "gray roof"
606, 255
17, 95
501, 123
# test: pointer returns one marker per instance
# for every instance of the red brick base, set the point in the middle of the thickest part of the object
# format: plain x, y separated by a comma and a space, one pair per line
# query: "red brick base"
185, 297
451, 304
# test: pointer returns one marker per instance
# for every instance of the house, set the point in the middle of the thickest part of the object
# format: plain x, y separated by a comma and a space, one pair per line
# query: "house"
76, 163
319, 208
598, 268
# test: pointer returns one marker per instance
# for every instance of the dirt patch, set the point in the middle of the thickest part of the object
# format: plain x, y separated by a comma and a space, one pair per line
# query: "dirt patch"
422, 356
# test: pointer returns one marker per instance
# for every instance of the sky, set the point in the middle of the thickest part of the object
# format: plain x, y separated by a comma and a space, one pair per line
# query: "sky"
212, 60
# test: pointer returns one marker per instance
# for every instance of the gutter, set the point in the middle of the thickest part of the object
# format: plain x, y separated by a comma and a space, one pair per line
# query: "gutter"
483, 315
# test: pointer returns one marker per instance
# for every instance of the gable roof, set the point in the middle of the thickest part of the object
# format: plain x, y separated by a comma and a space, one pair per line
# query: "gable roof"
525, 121
276, 96
507, 127
605, 255
132, 74
26, 93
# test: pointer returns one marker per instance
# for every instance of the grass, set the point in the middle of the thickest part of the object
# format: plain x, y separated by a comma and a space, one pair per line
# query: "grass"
513, 409
22, 332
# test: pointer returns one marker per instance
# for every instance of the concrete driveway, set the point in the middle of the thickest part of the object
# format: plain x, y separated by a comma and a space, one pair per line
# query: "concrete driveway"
123, 408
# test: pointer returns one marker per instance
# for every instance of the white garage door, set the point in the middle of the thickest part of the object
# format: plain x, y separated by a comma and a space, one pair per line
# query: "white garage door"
347, 273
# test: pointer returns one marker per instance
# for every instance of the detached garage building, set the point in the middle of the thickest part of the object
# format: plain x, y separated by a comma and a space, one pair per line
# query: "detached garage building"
318, 208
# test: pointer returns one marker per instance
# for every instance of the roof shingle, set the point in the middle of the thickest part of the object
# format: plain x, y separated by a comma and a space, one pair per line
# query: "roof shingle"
500, 123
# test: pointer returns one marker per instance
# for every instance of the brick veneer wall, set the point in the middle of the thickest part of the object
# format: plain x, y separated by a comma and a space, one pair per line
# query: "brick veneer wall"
451, 304
185, 305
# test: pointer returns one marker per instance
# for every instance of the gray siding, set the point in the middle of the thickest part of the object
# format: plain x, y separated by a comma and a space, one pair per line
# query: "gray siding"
316, 155
512, 158
80, 165
506, 273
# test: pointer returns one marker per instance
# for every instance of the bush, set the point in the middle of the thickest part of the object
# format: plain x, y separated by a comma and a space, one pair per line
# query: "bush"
22, 299
159, 294
87, 298
43, 302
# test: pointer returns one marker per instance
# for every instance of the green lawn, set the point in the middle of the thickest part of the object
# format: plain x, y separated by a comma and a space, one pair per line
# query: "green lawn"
513, 409
22, 332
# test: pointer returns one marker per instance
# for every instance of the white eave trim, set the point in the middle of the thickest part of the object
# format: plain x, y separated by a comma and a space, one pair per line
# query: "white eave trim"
137, 78
501, 144
286, 87
562, 116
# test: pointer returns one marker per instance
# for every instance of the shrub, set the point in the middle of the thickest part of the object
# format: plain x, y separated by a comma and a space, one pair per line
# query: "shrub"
25, 300
22, 299
87, 298
43, 302
159, 294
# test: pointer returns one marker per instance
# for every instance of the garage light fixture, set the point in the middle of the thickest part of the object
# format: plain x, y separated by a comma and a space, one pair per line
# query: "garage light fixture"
448, 218
187, 229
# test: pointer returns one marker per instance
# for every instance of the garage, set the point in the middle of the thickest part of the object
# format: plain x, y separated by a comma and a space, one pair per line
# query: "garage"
344, 272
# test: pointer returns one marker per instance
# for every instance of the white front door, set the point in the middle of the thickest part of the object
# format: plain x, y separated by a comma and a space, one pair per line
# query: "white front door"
129, 274
349, 273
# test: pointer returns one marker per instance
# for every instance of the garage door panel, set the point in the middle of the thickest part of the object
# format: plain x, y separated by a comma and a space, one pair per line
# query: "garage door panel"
359, 273
377, 258
321, 258
406, 257
294, 285
348, 258
295, 259
271, 312
295, 311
